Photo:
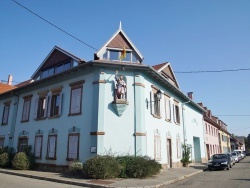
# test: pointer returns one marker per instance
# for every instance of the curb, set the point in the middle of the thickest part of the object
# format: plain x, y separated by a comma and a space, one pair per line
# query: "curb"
70, 182
178, 179
53, 179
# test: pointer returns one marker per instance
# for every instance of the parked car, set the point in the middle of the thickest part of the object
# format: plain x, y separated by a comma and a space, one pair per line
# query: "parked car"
241, 153
231, 159
219, 161
235, 156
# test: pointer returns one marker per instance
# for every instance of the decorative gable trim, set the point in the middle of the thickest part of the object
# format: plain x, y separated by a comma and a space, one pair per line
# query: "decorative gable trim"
125, 38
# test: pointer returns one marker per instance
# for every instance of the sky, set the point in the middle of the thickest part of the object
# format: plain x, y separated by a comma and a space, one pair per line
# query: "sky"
193, 35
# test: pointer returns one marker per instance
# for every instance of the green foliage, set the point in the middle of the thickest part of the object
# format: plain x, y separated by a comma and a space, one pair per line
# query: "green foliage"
101, 167
185, 154
21, 161
138, 167
75, 167
31, 156
4, 159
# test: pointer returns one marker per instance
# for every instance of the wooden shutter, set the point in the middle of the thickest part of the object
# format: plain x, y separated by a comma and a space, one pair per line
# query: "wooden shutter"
6, 113
168, 109
174, 113
38, 146
49, 101
73, 147
35, 108
60, 104
52, 147
152, 103
75, 101
47, 107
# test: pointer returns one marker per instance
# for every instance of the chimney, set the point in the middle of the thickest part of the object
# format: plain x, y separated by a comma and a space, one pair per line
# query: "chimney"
10, 80
190, 95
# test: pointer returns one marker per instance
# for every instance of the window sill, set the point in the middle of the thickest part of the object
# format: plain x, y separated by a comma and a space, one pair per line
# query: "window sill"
76, 114
38, 158
155, 116
24, 121
50, 158
55, 116
158, 159
70, 159
168, 120
4, 124
42, 118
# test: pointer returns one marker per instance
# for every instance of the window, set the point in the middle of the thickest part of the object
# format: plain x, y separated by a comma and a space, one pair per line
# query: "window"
114, 55
206, 127
26, 108
51, 147
38, 146
59, 69
76, 98
73, 146
176, 112
6, 110
41, 103
56, 102
22, 143
167, 108
157, 146
155, 104
1, 142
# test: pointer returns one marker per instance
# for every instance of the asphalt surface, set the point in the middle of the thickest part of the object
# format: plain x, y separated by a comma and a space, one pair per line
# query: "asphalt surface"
237, 177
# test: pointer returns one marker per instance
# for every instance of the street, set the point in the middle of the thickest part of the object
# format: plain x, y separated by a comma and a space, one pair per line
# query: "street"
11, 181
236, 177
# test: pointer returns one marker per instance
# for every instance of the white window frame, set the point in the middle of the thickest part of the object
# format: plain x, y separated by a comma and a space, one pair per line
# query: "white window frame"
178, 146
54, 109
176, 111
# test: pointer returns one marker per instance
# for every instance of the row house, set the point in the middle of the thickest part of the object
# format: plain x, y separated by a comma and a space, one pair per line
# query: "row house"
211, 132
72, 109
235, 144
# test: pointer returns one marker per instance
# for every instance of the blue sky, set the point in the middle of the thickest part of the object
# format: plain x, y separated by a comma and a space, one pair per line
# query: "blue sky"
193, 35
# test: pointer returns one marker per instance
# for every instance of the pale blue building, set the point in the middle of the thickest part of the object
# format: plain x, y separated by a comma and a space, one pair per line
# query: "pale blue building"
74, 109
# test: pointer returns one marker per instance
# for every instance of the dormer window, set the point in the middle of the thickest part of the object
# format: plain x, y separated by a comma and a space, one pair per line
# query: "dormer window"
115, 54
56, 69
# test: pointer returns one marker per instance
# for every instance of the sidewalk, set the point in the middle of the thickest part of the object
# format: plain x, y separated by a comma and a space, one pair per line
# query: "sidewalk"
164, 178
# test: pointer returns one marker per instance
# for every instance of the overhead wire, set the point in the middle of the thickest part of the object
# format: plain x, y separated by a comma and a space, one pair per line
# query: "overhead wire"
54, 25
214, 71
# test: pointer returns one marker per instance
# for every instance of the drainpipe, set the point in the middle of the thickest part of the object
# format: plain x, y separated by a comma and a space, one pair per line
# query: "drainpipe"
183, 121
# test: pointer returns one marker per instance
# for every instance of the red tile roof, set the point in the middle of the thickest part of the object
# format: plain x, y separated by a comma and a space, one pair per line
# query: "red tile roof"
6, 87
157, 67
24, 83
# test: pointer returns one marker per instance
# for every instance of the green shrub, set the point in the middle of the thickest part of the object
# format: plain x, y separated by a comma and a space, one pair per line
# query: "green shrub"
4, 159
75, 168
31, 156
101, 167
138, 167
21, 161
10, 152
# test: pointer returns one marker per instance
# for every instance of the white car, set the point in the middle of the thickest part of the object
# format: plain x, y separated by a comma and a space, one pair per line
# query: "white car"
241, 153
235, 156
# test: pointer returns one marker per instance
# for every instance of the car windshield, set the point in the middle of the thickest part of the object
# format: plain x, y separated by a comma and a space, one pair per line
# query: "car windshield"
234, 154
218, 156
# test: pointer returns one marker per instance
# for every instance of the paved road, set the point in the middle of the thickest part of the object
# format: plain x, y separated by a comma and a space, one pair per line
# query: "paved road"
236, 177
11, 181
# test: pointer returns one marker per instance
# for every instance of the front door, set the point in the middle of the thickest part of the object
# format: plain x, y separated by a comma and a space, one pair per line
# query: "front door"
169, 153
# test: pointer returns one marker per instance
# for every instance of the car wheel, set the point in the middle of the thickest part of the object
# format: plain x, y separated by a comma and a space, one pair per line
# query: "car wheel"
228, 167
209, 169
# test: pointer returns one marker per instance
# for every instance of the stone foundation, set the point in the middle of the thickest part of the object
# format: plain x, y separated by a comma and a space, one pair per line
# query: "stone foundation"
51, 167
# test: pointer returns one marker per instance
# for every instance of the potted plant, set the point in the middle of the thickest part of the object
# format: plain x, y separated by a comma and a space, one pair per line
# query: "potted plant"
185, 155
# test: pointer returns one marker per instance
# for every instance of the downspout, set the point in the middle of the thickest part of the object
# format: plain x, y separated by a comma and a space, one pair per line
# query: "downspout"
13, 124
134, 116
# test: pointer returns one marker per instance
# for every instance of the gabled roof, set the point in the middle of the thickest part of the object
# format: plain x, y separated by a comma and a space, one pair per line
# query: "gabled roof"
56, 55
24, 83
165, 70
118, 40
5, 87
